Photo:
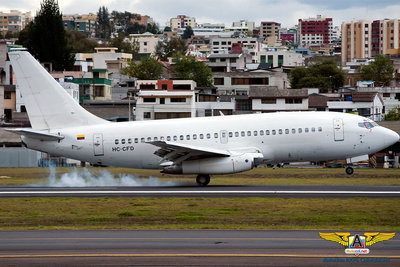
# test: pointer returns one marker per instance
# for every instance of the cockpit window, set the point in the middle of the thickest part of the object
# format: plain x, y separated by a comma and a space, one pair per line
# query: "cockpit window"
367, 124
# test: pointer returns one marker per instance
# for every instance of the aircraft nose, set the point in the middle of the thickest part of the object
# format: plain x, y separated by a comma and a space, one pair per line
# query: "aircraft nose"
391, 137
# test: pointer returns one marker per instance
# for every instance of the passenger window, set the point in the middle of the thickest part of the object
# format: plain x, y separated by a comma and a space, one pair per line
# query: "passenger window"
267, 132
168, 138
293, 130
181, 137
255, 133
286, 131
248, 133
215, 135
313, 129
188, 137
230, 134
155, 138
148, 139
142, 140
273, 132
201, 136
123, 141
319, 129
136, 140
242, 133
116, 141
129, 141
300, 130
236, 134
175, 138
208, 136
194, 136
261, 132
162, 138
280, 131
306, 130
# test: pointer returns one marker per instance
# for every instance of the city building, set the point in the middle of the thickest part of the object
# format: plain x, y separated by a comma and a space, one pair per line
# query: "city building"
316, 31
269, 31
86, 23
242, 26
366, 39
228, 62
281, 58
147, 43
247, 45
181, 22
14, 21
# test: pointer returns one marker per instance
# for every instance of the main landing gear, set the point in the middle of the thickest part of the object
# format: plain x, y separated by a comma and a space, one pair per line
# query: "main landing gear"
203, 179
349, 170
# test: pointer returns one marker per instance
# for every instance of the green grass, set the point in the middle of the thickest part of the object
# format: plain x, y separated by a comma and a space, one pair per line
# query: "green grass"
258, 176
199, 213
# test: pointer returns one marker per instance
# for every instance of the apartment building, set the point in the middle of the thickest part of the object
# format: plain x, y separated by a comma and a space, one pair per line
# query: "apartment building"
365, 39
86, 23
316, 31
147, 43
181, 22
14, 21
281, 58
269, 30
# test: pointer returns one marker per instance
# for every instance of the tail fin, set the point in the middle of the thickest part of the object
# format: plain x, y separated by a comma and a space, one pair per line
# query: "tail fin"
48, 105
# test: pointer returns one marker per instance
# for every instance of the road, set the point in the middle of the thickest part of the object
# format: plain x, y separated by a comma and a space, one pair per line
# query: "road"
184, 247
298, 191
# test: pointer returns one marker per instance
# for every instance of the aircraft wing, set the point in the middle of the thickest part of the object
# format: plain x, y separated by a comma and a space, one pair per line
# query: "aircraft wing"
176, 152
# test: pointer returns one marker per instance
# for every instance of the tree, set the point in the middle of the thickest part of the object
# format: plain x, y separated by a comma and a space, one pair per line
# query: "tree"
79, 43
167, 29
45, 37
175, 47
103, 29
187, 33
380, 70
148, 69
393, 115
323, 75
187, 68
126, 45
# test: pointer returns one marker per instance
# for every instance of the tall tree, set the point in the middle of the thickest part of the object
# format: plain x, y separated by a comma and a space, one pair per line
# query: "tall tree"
324, 75
380, 70
45, 37
103, 29
148, 69
79, 43
187, 68
174, 47
187, 33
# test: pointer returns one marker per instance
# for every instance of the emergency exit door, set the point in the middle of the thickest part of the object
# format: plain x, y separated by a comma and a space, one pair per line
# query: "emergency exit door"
338, 129
98, 144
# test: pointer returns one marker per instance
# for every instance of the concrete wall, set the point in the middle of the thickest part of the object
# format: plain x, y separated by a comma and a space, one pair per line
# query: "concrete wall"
18, 157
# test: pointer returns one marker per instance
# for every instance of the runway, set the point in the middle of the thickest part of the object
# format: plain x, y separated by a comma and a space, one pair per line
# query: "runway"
297, 191
181, 247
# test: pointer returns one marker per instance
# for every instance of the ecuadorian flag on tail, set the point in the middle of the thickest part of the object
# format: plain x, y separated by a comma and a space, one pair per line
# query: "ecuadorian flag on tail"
80, 137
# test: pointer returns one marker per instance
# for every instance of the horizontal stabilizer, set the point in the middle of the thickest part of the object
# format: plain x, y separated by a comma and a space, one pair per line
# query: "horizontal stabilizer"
36, 135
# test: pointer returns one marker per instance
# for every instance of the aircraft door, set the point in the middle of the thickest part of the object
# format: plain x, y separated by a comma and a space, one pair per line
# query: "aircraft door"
98, 144
338, 129
224, 137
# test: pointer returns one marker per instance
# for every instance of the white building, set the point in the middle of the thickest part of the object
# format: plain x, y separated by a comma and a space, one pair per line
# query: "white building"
389, 95
181, 22
147, 42
280, 58
244, 24
224, 45
165, 104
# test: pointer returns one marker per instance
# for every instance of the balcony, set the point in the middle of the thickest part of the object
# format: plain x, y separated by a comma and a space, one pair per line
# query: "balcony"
90, 81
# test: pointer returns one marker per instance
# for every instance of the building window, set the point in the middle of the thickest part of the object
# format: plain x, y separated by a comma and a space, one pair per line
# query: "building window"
268, 101
218, 81
293, 101
149, 100
7, 95
147, 115
177, 99
99, 91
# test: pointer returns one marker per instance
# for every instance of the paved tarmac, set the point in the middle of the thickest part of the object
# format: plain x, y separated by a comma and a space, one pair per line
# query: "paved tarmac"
184, 247
297, 191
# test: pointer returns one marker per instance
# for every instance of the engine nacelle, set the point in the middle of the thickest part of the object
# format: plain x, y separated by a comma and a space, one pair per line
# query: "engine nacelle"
219, 165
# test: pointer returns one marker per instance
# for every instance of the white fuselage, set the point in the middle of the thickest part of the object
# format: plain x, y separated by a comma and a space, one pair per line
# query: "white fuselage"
280, 137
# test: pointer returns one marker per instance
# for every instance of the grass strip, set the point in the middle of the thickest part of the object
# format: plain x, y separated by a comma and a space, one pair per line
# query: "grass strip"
199, 213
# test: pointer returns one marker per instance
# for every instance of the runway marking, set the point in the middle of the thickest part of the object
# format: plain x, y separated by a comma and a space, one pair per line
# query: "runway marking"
195, 192
193, 255
169, 238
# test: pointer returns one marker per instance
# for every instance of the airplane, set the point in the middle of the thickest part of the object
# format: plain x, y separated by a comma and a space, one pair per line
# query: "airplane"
202, 146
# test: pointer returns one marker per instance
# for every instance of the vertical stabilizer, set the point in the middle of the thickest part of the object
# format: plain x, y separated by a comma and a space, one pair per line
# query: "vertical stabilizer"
48, 105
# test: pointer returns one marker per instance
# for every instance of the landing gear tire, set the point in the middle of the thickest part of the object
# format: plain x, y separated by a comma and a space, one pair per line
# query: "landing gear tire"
203, 179
349, 170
